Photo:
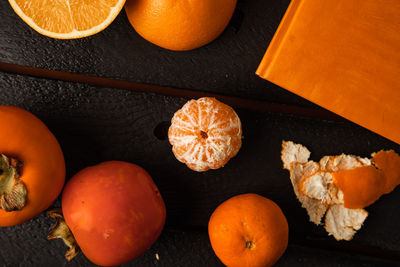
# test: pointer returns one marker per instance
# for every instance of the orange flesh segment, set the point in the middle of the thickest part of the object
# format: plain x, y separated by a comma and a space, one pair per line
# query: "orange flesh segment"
361, 186
389, 162
56, 19
66, 16
88, 13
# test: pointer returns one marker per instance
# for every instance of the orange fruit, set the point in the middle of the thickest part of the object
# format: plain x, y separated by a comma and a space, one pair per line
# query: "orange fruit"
67, 19
248, 231
205, 134
180, 24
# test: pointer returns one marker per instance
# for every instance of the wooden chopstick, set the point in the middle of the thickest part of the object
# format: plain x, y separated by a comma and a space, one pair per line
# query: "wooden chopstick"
245, 103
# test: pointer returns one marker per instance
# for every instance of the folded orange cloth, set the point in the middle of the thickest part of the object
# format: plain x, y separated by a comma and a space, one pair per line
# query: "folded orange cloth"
343, 55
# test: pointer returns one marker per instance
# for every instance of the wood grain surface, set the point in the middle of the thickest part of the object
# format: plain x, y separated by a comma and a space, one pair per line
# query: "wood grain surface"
224, 66
95, 125
99, 123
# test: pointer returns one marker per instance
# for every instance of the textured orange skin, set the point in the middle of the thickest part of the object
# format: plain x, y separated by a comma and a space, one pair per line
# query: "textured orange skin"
243, 218
114, 210
364, 185
361, 186
389, 162
180, 24
25, 138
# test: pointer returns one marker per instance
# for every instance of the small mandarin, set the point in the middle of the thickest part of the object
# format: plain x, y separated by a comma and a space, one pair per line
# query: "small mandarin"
248, 231
205, 134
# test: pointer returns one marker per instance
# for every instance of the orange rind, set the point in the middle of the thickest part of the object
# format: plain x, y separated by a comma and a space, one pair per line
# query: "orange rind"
389, 162
339, 187
361, 186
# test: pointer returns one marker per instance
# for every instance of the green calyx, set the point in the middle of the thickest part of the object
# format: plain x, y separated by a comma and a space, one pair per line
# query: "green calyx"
61, 230
13, 192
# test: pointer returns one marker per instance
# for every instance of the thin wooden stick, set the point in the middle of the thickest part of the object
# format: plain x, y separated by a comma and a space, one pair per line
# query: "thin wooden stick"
238, 102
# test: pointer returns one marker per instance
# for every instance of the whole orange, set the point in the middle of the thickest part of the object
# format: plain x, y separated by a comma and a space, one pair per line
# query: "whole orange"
248, 231
180, 24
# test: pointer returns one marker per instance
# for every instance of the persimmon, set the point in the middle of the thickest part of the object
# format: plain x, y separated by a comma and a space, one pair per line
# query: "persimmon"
180, 24
32, 167
205, 134
113, 211
248, 231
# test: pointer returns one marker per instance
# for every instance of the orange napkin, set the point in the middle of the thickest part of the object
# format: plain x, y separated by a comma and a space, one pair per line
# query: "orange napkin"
343, 55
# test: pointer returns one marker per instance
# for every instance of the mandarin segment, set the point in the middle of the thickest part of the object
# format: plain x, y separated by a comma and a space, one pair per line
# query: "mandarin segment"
205, 134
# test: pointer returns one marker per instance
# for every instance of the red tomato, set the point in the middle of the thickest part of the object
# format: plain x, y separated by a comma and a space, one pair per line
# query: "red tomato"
114, 211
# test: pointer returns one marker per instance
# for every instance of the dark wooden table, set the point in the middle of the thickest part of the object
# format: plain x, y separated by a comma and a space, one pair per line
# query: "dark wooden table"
97, 121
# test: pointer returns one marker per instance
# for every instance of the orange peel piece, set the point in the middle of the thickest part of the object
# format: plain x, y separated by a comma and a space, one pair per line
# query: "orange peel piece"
389, 162
342, 162
361, 186
343, 223
315, 208
295, 159
340, 185
293, 153
309, 177
321, 186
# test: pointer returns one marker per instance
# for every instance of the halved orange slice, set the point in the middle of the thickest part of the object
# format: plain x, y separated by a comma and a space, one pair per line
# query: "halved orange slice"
67, 19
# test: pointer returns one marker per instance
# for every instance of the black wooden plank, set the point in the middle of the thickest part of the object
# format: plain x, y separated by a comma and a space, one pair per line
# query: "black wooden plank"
225, 66
238, 102
98, 124
25, 245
